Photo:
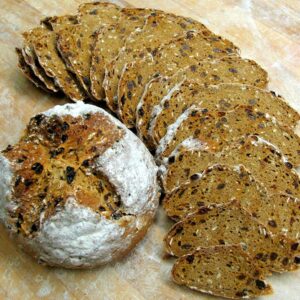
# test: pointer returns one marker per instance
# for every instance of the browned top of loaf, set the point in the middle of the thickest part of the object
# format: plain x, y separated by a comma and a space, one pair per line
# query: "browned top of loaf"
27, 71
166, 61
223, 97
218, 129
225, 271
31, 60
109, 41
45, 48
230, 69
55, 160
159, 29
230, 224
265, 163
75, 41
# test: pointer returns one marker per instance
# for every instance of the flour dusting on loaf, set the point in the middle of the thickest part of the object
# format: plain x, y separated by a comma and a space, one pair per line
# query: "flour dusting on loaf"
79, 189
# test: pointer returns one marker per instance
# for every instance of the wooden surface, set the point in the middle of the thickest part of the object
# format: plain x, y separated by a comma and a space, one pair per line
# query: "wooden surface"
265, 30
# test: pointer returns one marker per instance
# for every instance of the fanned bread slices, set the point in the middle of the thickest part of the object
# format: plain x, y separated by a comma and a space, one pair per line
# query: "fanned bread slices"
32, 61
75, 42
167, 60
230, 69
225, 271
217, 129
44, 45
266, 164
159, 29
223, 97
27, 71
219, 184
109, 41
230, 224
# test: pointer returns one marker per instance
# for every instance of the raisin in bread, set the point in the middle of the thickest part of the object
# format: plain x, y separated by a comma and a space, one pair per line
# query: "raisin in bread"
230, 69
262, 159
218, 129
225, 271
66, 194
230, 224
167, 60
223, 97
159, 29
75, 42
109, 41
44, 45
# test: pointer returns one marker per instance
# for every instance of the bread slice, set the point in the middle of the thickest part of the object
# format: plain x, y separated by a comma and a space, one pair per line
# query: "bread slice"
219, 184
45, 49
225, 271
263, 160
230, 224
75, 42
160, 28
109, 41
32, 61
230, 69
27, 71
167, 60
218, 129
223, 97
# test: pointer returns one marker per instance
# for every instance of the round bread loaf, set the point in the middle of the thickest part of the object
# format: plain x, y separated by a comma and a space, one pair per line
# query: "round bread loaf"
79, 189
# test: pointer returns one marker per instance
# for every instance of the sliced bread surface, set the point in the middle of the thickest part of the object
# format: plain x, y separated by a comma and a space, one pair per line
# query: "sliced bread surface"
109, 41
225, 271
159, 29
51, 62
223, 97
27, 71
32, 61
75, 42
230, 224
218, 129
230, 69
219, 184
266, 164
166, 61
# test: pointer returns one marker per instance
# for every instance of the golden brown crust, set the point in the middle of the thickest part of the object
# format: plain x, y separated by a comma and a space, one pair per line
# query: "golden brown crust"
54, 160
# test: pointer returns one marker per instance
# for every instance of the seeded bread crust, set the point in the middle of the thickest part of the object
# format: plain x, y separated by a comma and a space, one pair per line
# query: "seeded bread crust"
75, 42
109, 41
159, 29
225, 271
230, 224
223, 97
44, 45
230, 69
68, 164
27, 71
166, 61
217, 129
261, 158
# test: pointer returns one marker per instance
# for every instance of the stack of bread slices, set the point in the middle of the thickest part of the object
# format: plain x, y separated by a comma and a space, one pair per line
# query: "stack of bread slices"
226, 145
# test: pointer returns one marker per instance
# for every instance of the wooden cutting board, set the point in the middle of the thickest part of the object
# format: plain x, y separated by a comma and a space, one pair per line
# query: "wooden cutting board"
267, 31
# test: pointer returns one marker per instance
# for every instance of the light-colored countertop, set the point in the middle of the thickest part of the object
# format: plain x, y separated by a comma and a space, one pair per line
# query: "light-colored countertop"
267, 31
